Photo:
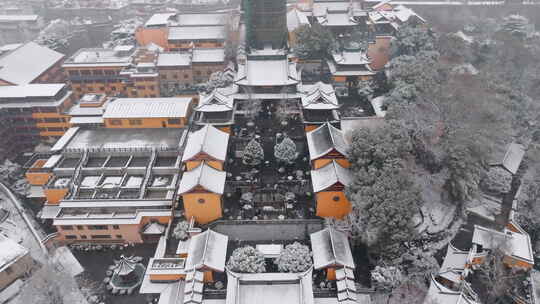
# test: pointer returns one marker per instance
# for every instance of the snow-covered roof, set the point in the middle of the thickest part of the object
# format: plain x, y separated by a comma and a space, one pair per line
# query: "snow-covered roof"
31, 90
267, 73
159, 19
270, 288
337, 19
153, 228
439, 294
10, 18
403, 14
208, 140
198, 19
10, 252
324, 140
208, 55
319, 96
296, 19
513, 157
322, 7
329, 175
331, 248
26, 63
464, 37
84, 120
192, 33
174, 59
351, 58
517, 245
148, 107
207, 249
205, 176
90, 57
455, 259
217, 101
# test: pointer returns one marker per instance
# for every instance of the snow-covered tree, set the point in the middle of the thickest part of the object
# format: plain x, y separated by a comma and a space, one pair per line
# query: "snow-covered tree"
314, 42
285, 151
365, 89
497, 181
384, 202
386, 278
375, 147
410, 40
246, 260
180, 231
253, 153
47, 285
218, 79
294, 258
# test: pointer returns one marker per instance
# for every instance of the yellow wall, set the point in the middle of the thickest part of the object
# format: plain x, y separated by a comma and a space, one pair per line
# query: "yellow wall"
38, 178
327, 207
166, 277
331, 273
225, 129
190, 165
205, 212
54, 196
321, 162
150, 123
158, 36
130, 233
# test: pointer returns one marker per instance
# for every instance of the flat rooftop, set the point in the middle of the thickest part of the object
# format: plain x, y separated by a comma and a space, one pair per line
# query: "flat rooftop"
125, 139
100, 56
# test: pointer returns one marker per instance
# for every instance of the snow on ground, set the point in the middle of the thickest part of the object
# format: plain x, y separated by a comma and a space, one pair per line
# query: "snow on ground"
15, 228
436, 214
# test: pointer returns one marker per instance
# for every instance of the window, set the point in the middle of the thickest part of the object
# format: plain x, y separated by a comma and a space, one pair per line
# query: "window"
73, 73
200, 201
116, 227
97, 227
100, 236
8, 270
198, 73
71, 237
174, 121
102, 88
85, 72
335, 198
141, 87
119, 236
80, 227
186, 76
67, 227
152, 88
84, 237
113, 88
208, 73
116, 122
135, 122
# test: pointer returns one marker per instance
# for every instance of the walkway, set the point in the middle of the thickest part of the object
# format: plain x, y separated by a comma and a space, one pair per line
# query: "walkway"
22, 212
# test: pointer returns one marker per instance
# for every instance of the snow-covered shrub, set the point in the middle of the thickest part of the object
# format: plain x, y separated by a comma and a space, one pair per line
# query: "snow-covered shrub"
386, 278
180, 231
294, 258
497, 181
253, 153
246, 260
285, 151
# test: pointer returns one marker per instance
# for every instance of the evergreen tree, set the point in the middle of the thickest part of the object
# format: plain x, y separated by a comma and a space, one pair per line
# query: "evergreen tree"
294, 258
253, 153
285, 151
246, 260
180, 231
314, 42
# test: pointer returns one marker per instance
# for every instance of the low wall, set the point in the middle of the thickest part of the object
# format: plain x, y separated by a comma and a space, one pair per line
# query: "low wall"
271, 230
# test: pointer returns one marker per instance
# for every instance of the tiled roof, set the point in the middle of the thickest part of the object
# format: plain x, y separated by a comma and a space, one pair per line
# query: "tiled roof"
208, 140
324, 139
26, 63
205, 176
329, 175
196, 33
